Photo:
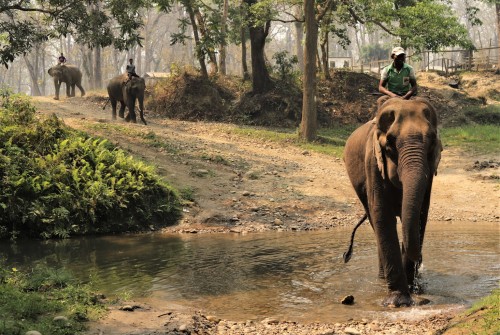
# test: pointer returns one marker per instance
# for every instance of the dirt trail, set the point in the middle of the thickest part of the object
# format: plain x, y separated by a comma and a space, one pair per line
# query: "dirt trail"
242, 184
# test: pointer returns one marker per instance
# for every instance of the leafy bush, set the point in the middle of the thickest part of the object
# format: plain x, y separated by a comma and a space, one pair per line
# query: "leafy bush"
285, 66
56, 182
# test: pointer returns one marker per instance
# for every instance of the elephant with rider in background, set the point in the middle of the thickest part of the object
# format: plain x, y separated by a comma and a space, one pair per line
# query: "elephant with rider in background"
127, 90
69, 74
391, 162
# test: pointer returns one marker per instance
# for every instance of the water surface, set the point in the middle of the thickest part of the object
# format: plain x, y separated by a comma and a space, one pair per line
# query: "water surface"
293, 276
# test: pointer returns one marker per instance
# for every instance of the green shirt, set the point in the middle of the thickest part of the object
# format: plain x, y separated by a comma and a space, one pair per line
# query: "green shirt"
398, 82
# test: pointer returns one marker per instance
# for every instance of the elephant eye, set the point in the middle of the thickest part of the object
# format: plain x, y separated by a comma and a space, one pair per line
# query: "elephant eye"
390, 146
391, 140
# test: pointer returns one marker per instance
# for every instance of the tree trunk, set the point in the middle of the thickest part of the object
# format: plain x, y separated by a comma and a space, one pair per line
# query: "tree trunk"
222, 54
243, 35
498, 35
199, 54
244, 66
204, 33
139, 61
299, 32
261, 81
97, 67
308, 126
324, 54
35, 89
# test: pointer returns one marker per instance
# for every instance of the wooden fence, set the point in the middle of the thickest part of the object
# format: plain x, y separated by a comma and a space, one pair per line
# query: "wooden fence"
447, 61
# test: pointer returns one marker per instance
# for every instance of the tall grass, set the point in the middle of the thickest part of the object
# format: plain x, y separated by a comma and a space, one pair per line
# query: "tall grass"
479, 139
29, 300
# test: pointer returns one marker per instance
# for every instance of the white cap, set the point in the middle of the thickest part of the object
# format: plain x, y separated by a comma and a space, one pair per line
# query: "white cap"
397, 51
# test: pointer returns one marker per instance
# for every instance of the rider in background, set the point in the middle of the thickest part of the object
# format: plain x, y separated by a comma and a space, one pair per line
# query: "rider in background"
61, 59
131, 69
398, 79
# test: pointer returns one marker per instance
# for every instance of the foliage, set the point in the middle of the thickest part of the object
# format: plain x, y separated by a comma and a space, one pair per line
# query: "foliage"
285, 65
93, 22
57, 183
420, 25
30, 300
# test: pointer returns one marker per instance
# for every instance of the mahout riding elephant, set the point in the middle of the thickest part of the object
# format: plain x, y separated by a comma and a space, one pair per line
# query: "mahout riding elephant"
391, 162
127, 91
69, 74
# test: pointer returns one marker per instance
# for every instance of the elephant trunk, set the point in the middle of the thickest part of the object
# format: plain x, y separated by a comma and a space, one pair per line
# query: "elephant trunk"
414, 173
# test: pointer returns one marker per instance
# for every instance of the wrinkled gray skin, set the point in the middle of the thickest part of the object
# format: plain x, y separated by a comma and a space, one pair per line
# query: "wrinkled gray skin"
69, 74
127, 92
391, 162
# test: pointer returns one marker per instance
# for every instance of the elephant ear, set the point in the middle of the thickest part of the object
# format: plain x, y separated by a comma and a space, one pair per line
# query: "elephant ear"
379, 154
385, 119
381, 100
436, 154
431, 116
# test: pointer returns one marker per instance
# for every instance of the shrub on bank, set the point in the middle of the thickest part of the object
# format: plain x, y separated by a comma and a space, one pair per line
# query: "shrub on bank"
56, 182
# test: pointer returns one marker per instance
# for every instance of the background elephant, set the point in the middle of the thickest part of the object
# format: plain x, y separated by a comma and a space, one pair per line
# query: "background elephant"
69, 74
127, 92
391, 162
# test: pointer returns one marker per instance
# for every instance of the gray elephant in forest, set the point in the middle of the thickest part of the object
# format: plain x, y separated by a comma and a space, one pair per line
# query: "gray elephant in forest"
391, 162
127, 91
69, 74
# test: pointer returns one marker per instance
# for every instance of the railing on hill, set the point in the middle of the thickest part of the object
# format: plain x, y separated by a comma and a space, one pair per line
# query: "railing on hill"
448, 61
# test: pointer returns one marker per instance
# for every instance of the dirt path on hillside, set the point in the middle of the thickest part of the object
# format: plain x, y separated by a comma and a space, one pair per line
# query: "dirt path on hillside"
241, 184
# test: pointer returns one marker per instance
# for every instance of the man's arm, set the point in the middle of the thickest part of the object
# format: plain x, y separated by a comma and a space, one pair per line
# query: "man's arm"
413, 89
383, 90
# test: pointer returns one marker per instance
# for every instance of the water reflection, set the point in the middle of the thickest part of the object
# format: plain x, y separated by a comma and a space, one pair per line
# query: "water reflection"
294, 276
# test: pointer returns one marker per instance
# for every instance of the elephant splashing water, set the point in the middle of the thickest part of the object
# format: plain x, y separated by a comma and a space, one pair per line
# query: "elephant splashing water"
391, 162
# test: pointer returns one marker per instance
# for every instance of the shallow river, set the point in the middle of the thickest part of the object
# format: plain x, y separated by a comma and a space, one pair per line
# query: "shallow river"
296, 276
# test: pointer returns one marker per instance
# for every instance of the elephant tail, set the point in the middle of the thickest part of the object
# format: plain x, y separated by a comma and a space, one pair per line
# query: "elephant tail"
104, 107
347, 255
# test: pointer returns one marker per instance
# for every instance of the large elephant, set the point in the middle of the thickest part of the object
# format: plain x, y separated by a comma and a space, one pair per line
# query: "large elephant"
391, 162
69, 74
127, 91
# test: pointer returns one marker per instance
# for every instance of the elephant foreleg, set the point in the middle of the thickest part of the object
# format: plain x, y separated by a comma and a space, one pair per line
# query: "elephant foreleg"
57, 85
141, 110
390, 255
131, 111
68, 90
72, 90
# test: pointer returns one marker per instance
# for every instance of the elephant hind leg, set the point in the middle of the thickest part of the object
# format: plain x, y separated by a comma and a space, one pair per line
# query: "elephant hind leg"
142, 117
121, 112
82, 91
113, 107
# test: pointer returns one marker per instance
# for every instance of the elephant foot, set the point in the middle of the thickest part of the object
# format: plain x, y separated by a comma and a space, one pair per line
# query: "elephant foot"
56, 98
398, 299
417, 288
